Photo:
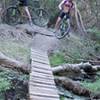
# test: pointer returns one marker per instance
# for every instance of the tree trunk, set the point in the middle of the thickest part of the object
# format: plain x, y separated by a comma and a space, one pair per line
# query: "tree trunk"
11, 63
76, 88
74, 68
72, 86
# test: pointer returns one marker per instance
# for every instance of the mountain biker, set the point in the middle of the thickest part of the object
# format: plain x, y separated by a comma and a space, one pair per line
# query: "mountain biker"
65, 7
24, 4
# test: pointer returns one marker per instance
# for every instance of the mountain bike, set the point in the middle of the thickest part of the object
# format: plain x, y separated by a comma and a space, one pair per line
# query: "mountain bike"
43, 16
13, 15
64, 28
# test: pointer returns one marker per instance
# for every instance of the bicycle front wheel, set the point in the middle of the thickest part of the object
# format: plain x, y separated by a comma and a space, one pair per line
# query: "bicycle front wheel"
42, 18
64, 29
12, 16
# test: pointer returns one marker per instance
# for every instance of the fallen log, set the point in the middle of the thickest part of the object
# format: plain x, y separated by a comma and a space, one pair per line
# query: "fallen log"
90, 61
76, 88
97, 67
11, 63
77, 69
72, 86
67, 68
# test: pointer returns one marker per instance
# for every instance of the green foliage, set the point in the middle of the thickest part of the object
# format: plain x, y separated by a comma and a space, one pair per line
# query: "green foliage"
56, 59
62, 98
95, 34
75, 50
4, 84
6, 76
15, 50
51, 6
94, 30
95, 87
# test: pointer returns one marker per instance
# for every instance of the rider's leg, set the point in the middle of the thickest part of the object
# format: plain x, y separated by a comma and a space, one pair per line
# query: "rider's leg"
60, 17
24, 4
28, 13
57, 23
68, 21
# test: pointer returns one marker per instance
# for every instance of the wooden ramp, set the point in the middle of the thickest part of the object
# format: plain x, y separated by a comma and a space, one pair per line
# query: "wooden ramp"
41, 85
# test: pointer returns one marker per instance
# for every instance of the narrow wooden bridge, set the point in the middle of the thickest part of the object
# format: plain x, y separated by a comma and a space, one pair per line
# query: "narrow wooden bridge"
41, 85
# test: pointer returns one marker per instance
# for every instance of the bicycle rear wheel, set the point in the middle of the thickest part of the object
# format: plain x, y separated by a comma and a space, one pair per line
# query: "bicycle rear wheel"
11, 16
64, 29
42, 18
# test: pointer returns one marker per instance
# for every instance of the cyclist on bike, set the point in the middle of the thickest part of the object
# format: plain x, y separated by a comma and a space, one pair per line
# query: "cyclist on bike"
65, 7
24, 4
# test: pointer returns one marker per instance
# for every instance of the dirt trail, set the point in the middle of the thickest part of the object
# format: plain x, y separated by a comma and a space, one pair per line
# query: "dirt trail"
42, 38
44, 43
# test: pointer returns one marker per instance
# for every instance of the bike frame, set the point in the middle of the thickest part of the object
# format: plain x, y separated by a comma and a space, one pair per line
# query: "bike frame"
64, 28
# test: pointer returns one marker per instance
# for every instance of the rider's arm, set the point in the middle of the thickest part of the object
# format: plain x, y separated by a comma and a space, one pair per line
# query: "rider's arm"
61, 4
72, 11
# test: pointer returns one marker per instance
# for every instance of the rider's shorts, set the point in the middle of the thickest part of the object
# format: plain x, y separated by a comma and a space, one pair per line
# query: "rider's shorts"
23, 2
62, 14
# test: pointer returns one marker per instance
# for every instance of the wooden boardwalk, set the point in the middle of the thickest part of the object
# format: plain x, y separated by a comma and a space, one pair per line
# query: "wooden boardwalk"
41, 85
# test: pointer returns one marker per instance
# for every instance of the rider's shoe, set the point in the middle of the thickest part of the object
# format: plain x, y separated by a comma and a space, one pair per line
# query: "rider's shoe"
30, 23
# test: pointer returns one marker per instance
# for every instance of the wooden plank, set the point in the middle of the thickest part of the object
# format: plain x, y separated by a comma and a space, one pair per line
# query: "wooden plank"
36, 81
41, 71
46, 91
42, 85
39, 52
38, 58
49, 78
42, 68
42, 98
44, 56
45, 95
40, 61
39, 55
35, 74
41, 74
42, 80
41, 65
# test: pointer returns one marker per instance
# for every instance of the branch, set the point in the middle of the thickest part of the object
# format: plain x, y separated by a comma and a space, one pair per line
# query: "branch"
79, 19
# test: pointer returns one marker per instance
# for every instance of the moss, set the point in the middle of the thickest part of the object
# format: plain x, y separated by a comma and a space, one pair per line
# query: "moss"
95, 87
57, 59
4, 84
62, 97
6, 77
